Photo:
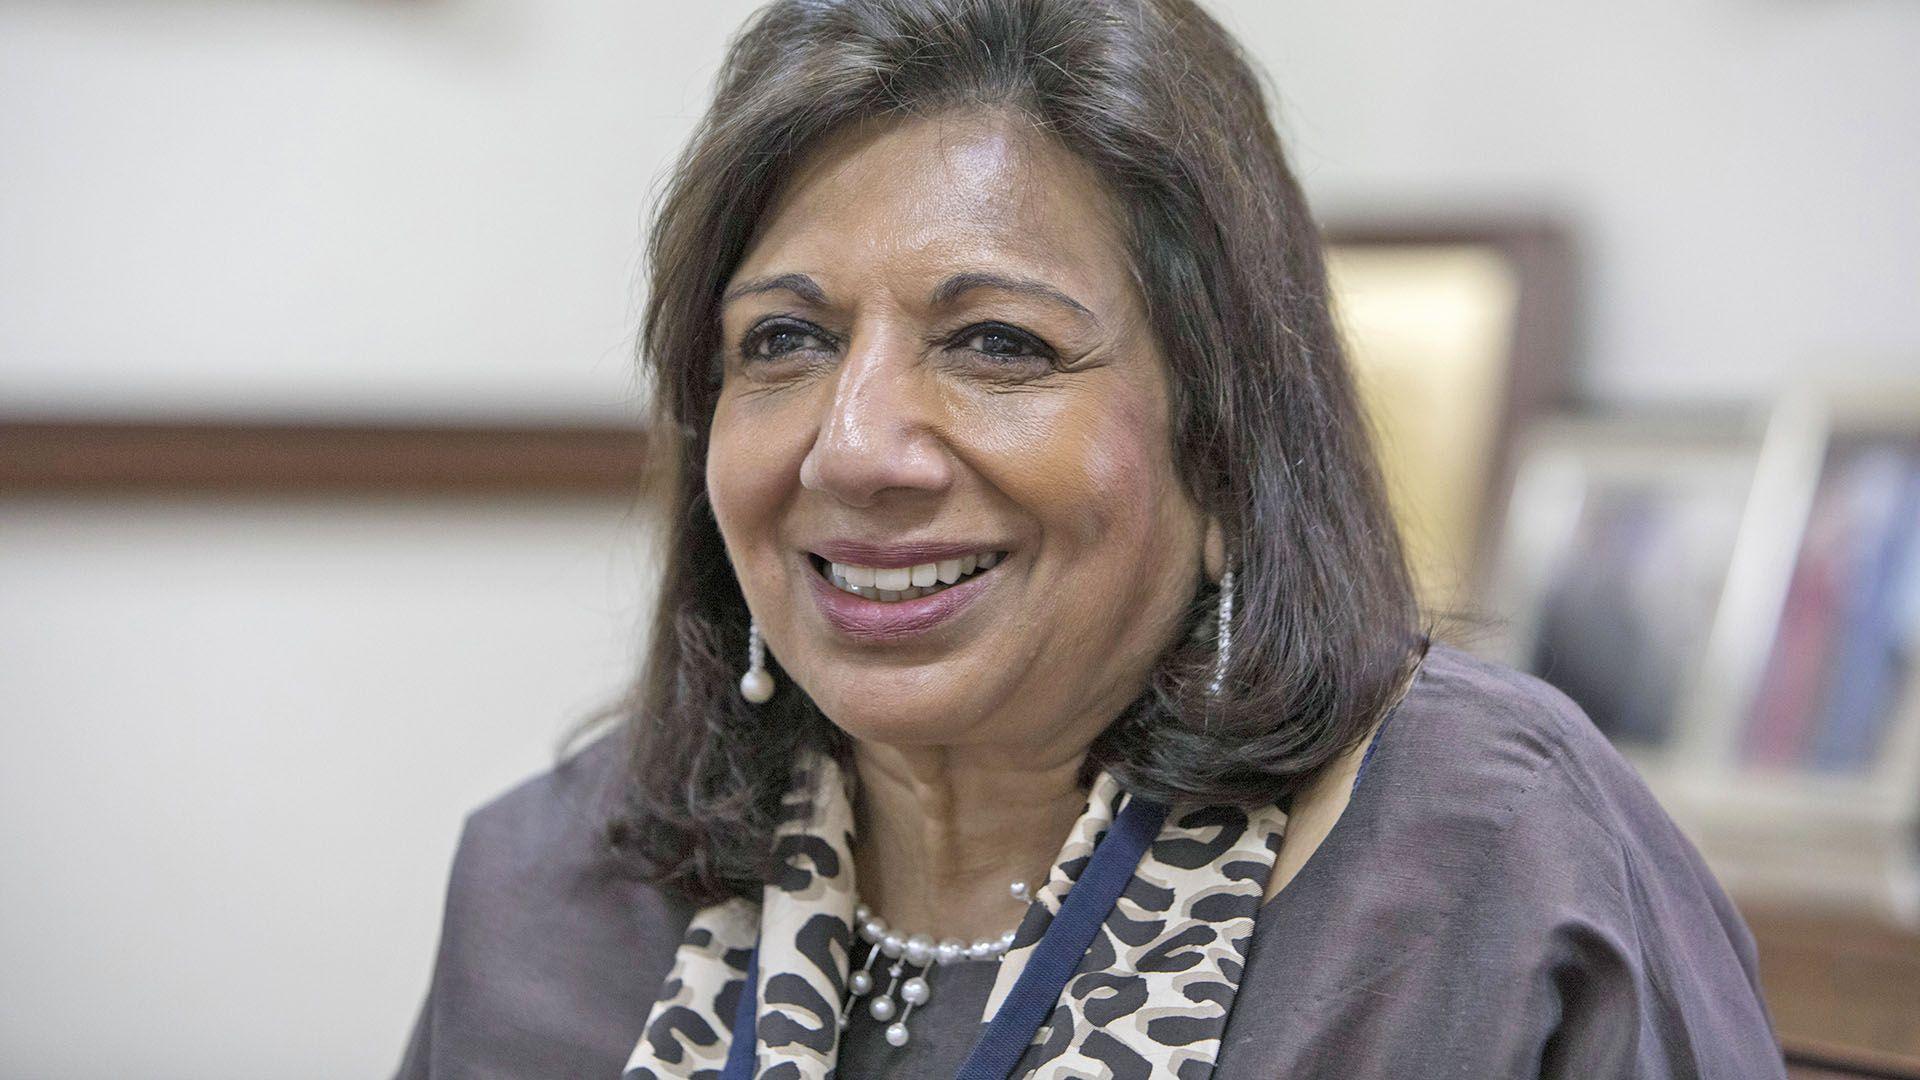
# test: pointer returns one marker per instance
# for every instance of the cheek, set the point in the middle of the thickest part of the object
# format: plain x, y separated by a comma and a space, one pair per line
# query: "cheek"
1098, 473
745, 477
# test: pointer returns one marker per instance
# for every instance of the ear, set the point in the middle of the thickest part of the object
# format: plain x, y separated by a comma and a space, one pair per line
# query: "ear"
1214, 550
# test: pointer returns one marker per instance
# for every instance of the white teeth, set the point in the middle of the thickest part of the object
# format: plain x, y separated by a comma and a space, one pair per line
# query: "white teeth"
898, 583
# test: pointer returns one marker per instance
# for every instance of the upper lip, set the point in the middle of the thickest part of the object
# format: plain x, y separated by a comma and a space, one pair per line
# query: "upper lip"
899, 554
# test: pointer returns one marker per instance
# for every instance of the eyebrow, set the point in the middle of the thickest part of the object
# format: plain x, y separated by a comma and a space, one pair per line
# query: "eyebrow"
798, 284
946, 292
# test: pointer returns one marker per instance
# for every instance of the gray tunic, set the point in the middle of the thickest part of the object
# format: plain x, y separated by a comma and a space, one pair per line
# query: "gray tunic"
1501, 898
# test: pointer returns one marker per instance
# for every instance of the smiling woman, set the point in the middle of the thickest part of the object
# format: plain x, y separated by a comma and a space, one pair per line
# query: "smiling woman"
1030, 613
937, 391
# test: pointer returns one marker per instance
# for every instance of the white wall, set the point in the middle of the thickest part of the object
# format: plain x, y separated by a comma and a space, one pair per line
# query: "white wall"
362, 204
1744, 174
236, 742
236, 738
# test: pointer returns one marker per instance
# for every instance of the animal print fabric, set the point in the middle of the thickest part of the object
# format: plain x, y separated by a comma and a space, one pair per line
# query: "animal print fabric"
1149, 999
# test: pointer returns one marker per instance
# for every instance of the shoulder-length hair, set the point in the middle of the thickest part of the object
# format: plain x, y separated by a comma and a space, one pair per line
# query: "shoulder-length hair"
1158, 98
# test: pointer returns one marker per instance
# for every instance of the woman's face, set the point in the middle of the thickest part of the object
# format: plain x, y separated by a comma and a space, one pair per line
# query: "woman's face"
942, 455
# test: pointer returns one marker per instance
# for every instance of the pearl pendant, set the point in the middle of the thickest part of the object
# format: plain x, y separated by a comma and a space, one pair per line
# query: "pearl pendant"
757, 686
906, 952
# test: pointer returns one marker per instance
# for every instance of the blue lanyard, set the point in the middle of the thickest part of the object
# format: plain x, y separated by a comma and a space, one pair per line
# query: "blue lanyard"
1055, 957
740, 1050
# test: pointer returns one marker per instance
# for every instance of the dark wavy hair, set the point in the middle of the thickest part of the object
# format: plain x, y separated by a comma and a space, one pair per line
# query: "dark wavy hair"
1159, 99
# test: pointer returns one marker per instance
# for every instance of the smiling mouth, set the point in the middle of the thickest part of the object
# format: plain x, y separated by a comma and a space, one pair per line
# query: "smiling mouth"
894, 584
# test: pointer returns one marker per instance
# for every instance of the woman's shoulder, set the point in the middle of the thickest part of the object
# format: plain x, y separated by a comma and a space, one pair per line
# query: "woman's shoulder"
539, 852
1512, 802
1497, 849
555, 811
1476, 736
549, 954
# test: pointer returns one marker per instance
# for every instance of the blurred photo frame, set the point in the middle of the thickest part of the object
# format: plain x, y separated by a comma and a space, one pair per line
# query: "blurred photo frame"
1805, 787
1824, 682
1615, 556
1459, 333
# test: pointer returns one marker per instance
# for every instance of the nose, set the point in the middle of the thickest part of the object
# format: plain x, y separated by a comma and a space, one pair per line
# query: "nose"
877, 433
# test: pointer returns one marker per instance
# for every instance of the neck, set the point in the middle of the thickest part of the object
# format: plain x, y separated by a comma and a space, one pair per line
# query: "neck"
943, 831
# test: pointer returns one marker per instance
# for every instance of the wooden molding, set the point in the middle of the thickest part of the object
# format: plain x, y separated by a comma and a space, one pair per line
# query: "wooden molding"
133, 456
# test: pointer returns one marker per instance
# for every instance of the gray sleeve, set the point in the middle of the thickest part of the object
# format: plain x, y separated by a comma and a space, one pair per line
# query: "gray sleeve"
1665, 983
413, 1064
1503, 897
416, 1062
549, 955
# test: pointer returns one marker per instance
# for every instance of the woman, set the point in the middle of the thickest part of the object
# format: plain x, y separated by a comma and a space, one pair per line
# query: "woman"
1031, 615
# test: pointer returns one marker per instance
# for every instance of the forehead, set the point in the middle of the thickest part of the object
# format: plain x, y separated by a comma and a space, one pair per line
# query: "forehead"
929, 194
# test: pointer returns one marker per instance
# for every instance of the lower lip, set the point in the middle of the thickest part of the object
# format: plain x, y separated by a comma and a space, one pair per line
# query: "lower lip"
876, 620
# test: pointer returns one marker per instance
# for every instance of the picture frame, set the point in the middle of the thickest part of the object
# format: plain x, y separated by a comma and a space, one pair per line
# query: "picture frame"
1616, 552
1459, 332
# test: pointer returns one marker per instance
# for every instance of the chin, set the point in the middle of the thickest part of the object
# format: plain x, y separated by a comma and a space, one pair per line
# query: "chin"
897, 721
901, 717
892, 731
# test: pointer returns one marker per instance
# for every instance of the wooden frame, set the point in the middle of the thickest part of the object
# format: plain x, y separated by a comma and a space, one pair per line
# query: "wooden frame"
1452, 513
1541, 253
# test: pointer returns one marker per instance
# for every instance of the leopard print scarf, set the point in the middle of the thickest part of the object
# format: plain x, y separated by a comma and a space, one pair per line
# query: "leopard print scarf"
1151, 996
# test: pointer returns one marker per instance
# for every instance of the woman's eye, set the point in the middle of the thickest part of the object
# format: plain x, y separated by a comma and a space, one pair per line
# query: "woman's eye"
772, 340
1003, 343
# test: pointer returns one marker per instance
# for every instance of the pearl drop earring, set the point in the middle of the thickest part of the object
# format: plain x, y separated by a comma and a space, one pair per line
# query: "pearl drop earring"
1223, 636
756, 685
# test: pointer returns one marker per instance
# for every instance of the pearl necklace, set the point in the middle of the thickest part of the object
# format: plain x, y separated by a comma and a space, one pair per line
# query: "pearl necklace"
909, 951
